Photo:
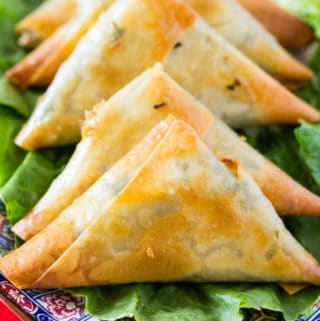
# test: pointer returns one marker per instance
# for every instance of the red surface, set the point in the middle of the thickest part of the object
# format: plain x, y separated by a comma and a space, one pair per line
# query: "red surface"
6, 314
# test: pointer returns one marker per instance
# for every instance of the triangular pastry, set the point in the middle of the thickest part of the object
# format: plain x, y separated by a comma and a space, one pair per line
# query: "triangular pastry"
43, 21
292, 32
130, 37
183, 216
229, 84
115, 126
39, 67
109, 132
61, 233
247, 34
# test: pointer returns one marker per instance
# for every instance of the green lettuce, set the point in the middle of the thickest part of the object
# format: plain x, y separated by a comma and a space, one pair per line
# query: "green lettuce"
306, 230
10, 53
308, 137
10, 155
193, 302
14, 105
31, 180
310, 92
13, 98
10, 12
20, 103
279, 144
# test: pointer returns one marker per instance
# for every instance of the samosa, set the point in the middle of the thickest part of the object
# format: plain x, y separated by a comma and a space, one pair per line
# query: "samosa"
39, 67
130, 37
245, 33
290, 30
45, 20
115, 126
71, 223
182, 216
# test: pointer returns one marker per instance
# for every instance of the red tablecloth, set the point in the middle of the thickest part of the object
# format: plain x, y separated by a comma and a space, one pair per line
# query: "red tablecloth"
6, 314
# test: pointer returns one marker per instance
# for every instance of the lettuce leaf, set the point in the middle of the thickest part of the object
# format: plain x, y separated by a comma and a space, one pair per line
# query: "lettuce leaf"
194, 302
10, 53
308, 137
10, 155
15, 99
21, 103
306, 230
11, 98
13, 106
310, 92
31, 180
279, 144
10, 12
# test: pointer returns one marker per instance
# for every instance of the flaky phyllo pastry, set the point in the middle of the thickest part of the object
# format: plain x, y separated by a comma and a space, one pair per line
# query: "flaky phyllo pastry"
115, 126
244, 32
168, 211
39, 67
42, 22
226, 16
134, 34
291, 31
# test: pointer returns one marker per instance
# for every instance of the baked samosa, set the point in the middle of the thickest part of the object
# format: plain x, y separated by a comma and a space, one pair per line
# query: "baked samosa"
130, 37
43, 21
290, 30
183, 216
244, 32
115, 126
39, 67
61, 233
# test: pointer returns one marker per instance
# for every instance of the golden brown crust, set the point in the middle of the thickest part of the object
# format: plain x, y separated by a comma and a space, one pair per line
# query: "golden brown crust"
181, 215
253, 40
299, 75
286, 195
19, 266
237, 91
232, 165
153, 96
25, 264
139, 33
36, 137
184, 216
279, 105
45, 20
294, 199
39, 67
229, 84
290, 31
54, 49
292, 288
